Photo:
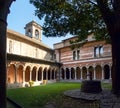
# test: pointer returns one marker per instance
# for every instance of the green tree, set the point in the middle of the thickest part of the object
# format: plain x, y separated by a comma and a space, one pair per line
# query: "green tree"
4, 10
82, 17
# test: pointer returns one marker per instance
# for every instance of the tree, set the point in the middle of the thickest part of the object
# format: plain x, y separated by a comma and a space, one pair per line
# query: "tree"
82, 17
4, 10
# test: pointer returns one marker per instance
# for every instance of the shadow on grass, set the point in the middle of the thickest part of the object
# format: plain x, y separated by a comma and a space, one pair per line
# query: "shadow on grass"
40, 96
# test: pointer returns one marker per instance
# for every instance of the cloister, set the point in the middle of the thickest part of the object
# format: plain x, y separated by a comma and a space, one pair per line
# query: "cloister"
28, 59
99, 72
22, 73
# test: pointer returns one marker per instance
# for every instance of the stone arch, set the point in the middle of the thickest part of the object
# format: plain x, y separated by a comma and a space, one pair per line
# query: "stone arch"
78, 72
20, 74
11, 74
84, 72
27, 73
40, 74
106, 72
72, 73
67, 73
36, 33
34, 70
98, 70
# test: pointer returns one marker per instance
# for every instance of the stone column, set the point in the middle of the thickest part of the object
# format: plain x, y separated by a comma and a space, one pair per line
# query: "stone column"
69, 73
94, 72
30, 74
16, 74
42, 75
81, 73
36, 75
87, 73
54, 75
60, 73
110, 71
102, 72
50, 74
75, 73
23, 75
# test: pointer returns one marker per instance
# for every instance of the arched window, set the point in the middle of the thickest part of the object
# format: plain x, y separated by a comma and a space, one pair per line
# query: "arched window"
36, 33
101, 50
29, 33
76, 55
98, 51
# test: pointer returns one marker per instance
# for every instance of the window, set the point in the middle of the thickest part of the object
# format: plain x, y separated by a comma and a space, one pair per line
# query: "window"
95, 52
29, 33
36, 33
98, 51
76, 55
101, 50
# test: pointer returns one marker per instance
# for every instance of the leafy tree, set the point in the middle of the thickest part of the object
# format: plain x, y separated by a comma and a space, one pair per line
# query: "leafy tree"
82, 17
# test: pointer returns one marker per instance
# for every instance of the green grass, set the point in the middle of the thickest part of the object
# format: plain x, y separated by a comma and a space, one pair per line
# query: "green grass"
107, 86
38, 96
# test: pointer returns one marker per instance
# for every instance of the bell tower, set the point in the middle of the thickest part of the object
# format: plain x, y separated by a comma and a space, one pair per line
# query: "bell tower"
33, 30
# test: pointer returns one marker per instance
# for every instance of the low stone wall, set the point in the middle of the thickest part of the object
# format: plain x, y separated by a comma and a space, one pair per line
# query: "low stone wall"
15, 85
26, 84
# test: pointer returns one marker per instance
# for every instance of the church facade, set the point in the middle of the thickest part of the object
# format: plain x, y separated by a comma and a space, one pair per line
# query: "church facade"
28, 59
90, 57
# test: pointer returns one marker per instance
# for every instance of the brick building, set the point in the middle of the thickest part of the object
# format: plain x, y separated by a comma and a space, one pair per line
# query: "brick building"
92, 56
28, 58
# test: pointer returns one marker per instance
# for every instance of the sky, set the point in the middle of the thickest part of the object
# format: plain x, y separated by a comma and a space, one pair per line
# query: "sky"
21, 13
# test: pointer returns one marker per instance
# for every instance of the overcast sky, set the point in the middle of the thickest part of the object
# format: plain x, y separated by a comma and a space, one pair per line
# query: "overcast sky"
22, 12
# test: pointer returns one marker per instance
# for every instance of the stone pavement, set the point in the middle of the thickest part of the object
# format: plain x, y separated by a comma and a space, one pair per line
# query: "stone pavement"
12, 104
107, 99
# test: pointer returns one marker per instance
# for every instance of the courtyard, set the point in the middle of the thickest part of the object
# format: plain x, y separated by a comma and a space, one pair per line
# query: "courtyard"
51, 96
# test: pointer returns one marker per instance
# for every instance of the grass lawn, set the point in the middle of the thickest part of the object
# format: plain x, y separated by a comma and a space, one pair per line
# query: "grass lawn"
37, 97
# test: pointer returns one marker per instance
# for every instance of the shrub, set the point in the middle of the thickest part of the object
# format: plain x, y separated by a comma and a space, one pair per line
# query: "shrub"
31, 83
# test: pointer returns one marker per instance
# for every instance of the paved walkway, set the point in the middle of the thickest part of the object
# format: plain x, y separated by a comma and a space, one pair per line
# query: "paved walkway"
107, 99
12, 104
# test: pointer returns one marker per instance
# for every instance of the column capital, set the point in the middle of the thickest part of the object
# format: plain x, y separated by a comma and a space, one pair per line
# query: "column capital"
74, 67
87, 66
94, 65
102, 65
110, 64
